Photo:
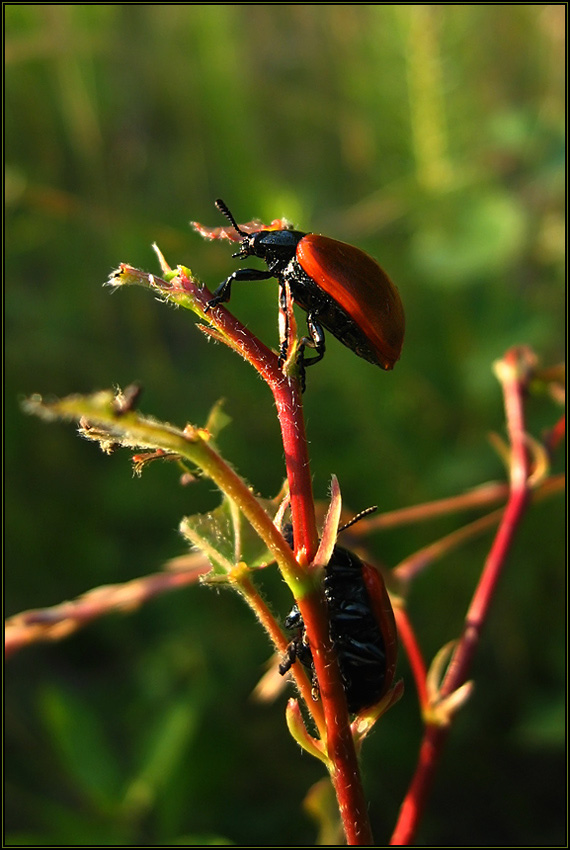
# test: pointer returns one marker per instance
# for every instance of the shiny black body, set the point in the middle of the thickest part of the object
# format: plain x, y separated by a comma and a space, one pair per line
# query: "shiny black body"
354, 629
278, 249
339, 286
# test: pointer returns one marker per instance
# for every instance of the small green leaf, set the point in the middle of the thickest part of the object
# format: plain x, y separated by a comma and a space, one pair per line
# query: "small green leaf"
217, 419
226, 537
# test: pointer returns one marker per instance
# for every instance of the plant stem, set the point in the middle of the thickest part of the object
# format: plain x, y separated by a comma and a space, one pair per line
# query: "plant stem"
413, 652
513, 373
291, 420
344, 770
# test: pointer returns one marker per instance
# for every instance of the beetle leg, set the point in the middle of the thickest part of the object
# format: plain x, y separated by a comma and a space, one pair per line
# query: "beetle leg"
285, 335
284, 346
224, 290
315, 340
315, 692
289, 658
294, 620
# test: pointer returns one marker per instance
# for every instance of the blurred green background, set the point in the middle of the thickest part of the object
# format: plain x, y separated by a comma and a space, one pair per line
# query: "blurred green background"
433, 138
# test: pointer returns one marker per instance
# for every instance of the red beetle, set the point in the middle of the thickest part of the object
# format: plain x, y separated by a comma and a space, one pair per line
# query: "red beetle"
340, 287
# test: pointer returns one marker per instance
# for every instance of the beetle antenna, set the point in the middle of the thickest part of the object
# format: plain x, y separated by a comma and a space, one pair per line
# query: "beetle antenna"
224, 209
358, 517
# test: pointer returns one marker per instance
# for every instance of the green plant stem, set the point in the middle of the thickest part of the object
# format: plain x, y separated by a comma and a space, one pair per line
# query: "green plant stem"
240, 577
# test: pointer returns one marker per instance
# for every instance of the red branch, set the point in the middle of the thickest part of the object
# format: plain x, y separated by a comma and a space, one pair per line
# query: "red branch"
413, 652
513, 373
287, 393
57, 622
345, 774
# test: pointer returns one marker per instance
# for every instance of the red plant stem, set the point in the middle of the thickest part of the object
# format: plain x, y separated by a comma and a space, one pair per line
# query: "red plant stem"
512, 372
345, 774
415, 800
287, 396
513, 378
557, 434
59, 621
477, 497
461, 662
286, 390
413, 653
